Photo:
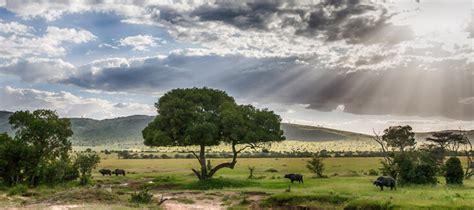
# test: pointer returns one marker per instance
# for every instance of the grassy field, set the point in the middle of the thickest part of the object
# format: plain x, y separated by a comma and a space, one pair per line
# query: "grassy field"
348, 187
348, 181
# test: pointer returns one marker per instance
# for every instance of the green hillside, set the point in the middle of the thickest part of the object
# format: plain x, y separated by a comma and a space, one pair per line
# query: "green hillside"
90, 132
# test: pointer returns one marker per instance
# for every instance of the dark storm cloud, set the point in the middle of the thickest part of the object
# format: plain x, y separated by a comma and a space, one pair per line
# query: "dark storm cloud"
350, 20
400, 90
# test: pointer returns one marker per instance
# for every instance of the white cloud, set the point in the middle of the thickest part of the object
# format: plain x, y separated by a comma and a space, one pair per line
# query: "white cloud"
14, 28
49, 45
39, 69
67, 104
140, 42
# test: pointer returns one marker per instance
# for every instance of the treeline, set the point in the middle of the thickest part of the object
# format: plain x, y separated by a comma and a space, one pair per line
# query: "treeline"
125, 154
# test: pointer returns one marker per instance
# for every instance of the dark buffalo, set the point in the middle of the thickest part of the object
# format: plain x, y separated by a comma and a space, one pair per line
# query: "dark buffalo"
105, 172
119, 172
294, 177
386, 181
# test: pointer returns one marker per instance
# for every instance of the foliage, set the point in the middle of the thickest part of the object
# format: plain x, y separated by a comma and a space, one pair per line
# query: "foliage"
207, 117
425, 174
143, 196
41, 139
85, 163
454, 172
373, 172
60, 171
18, 190
316, 165
400, 137
406, 168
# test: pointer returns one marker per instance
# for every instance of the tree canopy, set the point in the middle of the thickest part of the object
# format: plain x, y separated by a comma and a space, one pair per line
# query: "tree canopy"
400, 137
207, 117
41, 138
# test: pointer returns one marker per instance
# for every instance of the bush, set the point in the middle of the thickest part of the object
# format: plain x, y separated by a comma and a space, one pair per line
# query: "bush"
425, 174
373, 172
316, 165
18, 190
85, 164
271, 170
59, 171
406, 168
141, 197
454, 171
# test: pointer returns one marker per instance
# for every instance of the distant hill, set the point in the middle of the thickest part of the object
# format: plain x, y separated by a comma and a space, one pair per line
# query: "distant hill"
128, 129
313, 133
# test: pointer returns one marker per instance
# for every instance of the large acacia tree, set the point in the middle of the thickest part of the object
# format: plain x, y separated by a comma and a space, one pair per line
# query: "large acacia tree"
207, 117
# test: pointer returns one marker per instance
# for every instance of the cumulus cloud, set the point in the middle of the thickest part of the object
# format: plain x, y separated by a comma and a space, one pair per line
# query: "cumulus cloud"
140, 42
17, 45
67, 104
14, 28
39, 69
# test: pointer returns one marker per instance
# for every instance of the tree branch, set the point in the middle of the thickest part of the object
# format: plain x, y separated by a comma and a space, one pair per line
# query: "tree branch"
227, 164
197, 173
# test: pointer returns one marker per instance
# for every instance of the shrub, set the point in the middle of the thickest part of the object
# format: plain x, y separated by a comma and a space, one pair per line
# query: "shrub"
424, 174
141, 197
271, 170
85, 164
406, 168
454, 171
373, 172
316, 165
18, 190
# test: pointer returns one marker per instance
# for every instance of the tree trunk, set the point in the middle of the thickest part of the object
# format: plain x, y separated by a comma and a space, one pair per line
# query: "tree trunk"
202, 161
202, 174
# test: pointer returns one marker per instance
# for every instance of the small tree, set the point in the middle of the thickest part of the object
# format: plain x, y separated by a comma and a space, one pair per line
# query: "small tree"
251, 170
454, 172
85, 163
316, 166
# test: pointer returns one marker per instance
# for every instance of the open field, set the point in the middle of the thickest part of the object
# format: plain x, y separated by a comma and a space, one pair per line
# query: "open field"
348, 185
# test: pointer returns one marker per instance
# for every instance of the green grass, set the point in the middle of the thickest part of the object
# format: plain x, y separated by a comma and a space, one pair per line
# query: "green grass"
173, 176
219, 183
358, 187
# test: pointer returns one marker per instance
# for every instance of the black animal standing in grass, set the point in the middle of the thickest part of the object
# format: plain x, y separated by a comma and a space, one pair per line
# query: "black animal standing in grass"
105, 172
386, 181
294, 177
119, 172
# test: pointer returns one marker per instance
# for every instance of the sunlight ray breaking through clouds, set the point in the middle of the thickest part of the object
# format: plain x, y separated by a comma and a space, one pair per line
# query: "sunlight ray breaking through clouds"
348, 64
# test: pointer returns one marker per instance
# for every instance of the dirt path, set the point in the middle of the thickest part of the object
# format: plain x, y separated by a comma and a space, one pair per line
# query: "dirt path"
211, 201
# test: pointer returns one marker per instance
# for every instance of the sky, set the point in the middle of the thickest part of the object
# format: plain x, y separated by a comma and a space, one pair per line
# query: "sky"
346, 64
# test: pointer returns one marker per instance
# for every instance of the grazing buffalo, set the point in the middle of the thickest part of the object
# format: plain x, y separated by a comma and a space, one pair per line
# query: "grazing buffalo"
386, 181
119, 172
105, 172
295, 177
